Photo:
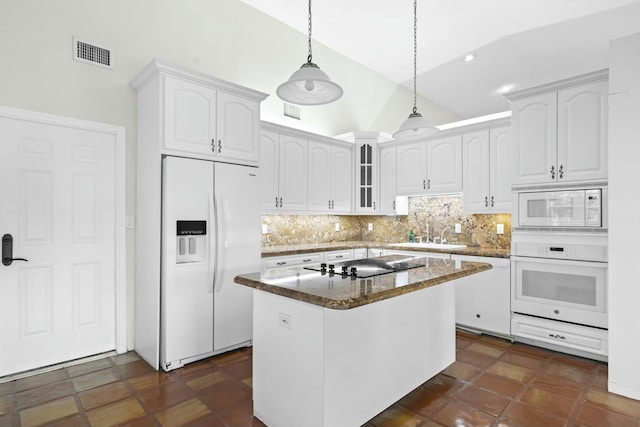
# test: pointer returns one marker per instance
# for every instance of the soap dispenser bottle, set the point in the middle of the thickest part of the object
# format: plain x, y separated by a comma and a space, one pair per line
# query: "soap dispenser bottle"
411, 236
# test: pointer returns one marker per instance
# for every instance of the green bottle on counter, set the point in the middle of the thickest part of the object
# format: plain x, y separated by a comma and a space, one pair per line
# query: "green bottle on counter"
411, 237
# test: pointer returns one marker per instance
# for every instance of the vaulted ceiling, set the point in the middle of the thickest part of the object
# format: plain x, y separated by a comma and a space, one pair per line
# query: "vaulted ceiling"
517, 43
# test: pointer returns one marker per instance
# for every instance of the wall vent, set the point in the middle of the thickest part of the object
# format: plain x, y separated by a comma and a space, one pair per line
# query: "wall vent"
292, 111
92, 53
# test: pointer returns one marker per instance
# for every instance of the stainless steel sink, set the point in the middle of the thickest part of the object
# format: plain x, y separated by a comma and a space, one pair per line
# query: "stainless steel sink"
429, 245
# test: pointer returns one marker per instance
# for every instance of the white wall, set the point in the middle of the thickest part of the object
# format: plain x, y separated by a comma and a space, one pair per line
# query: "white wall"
223, 38
624, 205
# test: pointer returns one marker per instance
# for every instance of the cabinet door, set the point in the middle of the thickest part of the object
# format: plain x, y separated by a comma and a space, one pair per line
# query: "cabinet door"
269, 197
582, 132
500, 169
189, 117
412, 169
366, 175
341, 178
292, 173
387, 170
319, 178
238, 128
476, 171
483, 300
534, 150
444, 165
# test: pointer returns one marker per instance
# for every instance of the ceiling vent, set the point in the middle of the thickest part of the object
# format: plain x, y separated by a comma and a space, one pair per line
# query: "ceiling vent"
92, 54
291, 111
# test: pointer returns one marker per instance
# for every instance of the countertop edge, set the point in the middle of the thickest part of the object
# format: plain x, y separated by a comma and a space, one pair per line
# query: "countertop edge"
275, 251
361, 301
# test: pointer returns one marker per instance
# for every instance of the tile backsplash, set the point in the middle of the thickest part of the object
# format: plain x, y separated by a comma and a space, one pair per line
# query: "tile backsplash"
437, 211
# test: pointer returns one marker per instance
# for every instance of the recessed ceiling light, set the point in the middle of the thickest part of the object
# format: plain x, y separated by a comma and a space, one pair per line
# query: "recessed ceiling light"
469, 57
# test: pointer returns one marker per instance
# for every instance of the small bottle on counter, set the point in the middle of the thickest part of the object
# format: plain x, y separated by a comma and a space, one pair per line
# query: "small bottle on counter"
411, 237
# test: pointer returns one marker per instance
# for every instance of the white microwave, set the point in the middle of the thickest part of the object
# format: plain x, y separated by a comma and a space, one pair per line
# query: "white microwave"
563, 208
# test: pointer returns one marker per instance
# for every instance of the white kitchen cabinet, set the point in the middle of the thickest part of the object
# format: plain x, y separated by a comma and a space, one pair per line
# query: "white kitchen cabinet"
366, 175
360, 253
487, 170
560, 132
483, 301
432, 167
444, 165
389, 201
203, 120
292, 260
283, 172
330, 177
412, 168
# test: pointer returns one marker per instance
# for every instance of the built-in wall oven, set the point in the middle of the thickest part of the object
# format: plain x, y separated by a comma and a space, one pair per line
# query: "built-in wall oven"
559, 270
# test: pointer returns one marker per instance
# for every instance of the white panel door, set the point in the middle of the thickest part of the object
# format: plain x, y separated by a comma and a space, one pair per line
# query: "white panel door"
269, 159
412, 169
341, 179
57, 185
444, 165
500, 155
292, 173
319, 180
238, 128
476, 175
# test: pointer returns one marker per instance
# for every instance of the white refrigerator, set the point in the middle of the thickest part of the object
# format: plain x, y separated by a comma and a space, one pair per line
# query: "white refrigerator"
210, 234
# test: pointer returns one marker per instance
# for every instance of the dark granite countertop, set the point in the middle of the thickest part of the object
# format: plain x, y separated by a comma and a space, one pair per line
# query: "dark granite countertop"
283, 250
340, 293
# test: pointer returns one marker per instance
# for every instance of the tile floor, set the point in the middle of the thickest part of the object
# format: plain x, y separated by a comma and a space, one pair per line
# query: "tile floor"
492, 383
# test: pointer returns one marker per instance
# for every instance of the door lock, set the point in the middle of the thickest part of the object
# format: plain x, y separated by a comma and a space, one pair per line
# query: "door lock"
7, 250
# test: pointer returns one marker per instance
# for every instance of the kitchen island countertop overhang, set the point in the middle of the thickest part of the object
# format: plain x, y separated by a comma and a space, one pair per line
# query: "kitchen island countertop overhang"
342, 292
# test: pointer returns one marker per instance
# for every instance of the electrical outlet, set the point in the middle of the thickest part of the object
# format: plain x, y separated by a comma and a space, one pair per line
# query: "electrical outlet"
500, 228
458, 228
370, 227
265, 229
337, 226
284, 320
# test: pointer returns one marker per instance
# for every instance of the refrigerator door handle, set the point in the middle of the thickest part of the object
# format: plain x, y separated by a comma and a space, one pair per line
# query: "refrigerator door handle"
213, 250
221, 243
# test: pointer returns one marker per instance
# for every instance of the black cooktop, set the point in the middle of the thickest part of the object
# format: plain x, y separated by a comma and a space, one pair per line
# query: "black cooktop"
369, 267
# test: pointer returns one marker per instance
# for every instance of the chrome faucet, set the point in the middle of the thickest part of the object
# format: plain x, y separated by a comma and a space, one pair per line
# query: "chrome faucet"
442, 239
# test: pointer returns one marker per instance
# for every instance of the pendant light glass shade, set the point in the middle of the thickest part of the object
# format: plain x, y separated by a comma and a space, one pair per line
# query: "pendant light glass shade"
415, 125
309, 86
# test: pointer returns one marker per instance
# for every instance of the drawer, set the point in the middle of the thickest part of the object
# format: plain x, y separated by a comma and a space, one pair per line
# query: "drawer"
360, 253
337, 256
292, 261
577, 337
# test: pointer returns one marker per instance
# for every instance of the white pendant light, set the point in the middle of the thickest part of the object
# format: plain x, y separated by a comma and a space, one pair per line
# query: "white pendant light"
415, 125
309, 85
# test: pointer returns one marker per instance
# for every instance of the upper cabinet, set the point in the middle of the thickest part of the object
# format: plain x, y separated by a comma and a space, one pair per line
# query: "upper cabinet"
432, 167
283, 172
389, 201
330, 171
366, 175
487, 170
560, 132
199, 116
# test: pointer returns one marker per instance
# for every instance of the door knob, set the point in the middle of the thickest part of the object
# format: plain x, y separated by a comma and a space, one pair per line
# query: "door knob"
7, 250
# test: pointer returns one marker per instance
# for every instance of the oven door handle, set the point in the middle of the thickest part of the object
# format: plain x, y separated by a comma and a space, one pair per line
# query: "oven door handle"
540, 260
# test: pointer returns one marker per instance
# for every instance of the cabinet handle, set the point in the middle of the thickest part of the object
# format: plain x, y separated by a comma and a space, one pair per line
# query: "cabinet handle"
492, 201
219, 146
557, 336
306, 260
329, 205
553, 172
394, 205
213, 145
333, 204
424, 184
281, 263
276, 202
339, 256
486, 202
428, 184
281, 201
374, 206
560, 172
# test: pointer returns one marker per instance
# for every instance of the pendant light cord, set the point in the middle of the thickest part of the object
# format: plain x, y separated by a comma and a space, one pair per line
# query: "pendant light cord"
309, 58
415, 49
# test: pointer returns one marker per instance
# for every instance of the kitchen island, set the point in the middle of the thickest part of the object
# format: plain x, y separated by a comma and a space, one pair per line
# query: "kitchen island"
335, 350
